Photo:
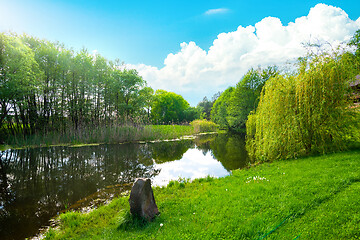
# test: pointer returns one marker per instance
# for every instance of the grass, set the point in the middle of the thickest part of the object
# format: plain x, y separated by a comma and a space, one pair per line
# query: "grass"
309, 198
110, 134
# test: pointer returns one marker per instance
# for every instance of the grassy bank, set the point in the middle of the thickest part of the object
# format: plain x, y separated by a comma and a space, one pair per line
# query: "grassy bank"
112, 134
309, 198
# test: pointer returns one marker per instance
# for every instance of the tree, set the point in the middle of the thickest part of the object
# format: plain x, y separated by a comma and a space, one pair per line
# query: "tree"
46, 87
219, 111
205, 108
45, 112
100, 91
246, 96
355, 42
147, 97
19, 75
191, 114
128, 85
305, 113
168, 107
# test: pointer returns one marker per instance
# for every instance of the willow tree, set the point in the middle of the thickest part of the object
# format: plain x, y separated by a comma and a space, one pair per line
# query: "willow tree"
306, 113
271, 131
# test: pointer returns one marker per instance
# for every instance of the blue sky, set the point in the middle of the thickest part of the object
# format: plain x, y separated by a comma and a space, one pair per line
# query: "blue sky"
146, 32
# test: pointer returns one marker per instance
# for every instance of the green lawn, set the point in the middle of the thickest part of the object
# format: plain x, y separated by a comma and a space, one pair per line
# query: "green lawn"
309, 198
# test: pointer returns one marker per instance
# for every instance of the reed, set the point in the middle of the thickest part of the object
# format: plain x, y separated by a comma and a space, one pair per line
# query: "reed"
103, 134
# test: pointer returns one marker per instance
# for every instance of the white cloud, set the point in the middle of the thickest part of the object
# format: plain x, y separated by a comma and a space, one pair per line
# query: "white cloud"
216, 11
194, 72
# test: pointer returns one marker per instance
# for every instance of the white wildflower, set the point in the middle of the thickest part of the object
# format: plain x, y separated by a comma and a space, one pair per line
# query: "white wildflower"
256, 178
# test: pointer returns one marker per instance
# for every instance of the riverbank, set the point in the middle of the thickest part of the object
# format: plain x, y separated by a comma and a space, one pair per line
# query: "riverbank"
310, 198
110, 135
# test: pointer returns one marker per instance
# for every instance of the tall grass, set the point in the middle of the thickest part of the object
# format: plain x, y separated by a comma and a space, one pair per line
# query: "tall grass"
105, 134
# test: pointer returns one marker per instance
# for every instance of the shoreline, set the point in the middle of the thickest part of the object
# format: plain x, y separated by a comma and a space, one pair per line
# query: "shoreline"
184, 137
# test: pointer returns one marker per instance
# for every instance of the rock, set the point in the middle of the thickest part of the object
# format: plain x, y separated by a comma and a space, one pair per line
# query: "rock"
142, 201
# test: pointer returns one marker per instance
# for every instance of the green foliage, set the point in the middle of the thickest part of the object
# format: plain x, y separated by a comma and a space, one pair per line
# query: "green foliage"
206, 105
245, 98
219, 112
169, 107
147, 96
314, 197
46, 87
304, 114
129, 98
274, 122
355, 42
19, 74
232, 108
204, 125
191, 113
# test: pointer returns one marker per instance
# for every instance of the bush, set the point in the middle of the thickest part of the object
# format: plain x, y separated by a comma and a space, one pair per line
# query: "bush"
204, 126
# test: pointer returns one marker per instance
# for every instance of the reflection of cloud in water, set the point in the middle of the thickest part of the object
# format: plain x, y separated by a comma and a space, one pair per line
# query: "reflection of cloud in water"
193, 164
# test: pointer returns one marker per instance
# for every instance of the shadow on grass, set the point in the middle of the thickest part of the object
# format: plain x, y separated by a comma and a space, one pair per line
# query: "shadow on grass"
129, 222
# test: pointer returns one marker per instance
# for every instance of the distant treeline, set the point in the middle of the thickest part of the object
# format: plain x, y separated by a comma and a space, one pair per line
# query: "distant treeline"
45, 87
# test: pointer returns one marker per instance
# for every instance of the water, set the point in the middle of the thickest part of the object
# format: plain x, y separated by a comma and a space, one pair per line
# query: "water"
37, 184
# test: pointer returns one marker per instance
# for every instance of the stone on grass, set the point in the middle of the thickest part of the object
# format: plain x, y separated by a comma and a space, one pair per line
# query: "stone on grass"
142, 201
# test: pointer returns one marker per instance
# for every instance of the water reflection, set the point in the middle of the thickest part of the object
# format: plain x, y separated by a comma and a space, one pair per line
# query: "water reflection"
36, 184
193, 164
170, 151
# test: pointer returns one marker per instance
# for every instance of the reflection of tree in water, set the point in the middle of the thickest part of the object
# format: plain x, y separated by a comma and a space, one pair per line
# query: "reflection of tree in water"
203, 142
37, 183
229, 149
170, 151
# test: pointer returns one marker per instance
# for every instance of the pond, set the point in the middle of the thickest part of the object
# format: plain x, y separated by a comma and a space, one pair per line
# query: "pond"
39, 183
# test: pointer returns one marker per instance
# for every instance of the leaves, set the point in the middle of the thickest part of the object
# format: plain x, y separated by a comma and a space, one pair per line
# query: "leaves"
169, 107
305, 113
50, 88
232, 108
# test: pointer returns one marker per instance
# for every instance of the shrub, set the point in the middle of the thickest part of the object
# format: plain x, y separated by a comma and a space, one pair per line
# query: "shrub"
204, 126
